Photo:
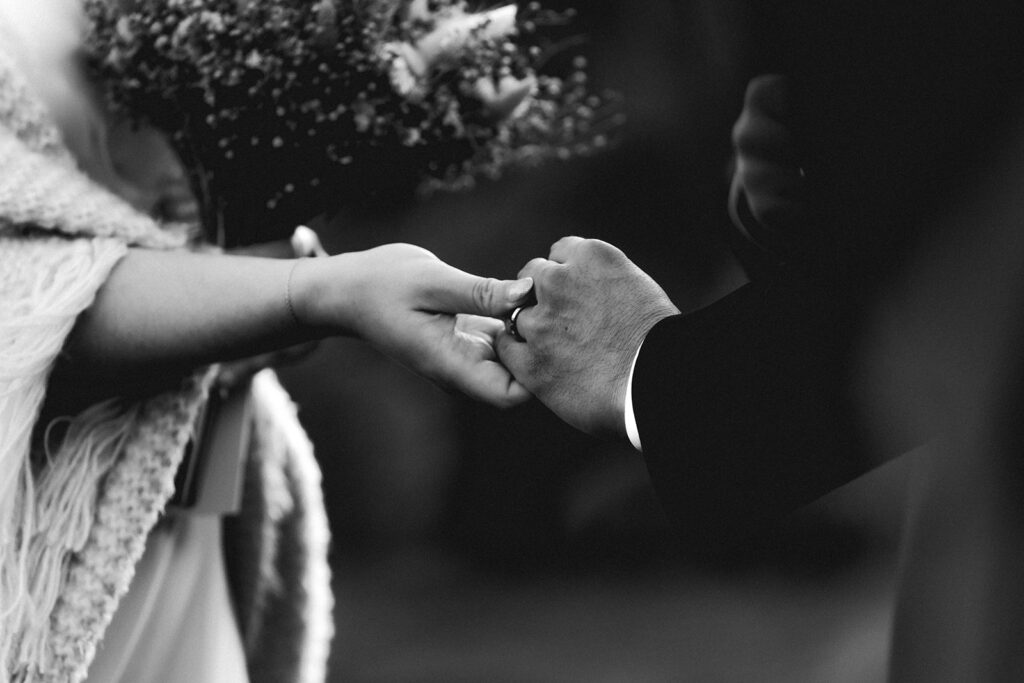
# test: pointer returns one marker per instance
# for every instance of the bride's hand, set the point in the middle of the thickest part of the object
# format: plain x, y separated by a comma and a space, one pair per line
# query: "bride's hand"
160, 314
435, 319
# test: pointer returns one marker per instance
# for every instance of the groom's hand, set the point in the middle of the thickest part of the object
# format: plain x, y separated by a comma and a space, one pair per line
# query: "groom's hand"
576, 345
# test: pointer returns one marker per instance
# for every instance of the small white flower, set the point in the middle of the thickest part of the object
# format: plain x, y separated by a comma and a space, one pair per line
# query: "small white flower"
214, 21
413, 137
454, 32
184, 28
124, 29
407, 69
419, 10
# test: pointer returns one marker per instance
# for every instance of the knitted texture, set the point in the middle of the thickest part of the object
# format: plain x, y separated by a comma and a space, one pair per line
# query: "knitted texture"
40, 185
24, 116
67, 547
45, 283
133, 496
75, 512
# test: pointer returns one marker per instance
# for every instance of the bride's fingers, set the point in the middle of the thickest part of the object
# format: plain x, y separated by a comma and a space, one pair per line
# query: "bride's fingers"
455, 291
489, 381
479, 328
474, 370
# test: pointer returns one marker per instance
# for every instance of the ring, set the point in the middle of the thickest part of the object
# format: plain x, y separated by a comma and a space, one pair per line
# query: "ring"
510, 324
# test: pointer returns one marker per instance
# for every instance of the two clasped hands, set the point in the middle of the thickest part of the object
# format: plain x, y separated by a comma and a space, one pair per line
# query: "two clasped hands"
570, 328
566, 331
573, 329
579, 318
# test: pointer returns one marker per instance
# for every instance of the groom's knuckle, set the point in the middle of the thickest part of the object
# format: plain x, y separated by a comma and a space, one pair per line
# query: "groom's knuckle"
532, 267
558, 280
548, 278
540, 326
589, 249
602, 251
566, 245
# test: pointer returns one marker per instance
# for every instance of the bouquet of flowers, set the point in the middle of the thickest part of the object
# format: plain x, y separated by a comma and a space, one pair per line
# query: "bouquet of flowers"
282, 108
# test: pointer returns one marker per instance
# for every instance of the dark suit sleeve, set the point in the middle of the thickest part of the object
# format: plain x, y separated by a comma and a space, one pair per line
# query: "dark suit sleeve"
743, 407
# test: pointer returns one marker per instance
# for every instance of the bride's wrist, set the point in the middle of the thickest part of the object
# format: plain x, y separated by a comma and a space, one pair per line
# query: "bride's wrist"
318, 295
303, 293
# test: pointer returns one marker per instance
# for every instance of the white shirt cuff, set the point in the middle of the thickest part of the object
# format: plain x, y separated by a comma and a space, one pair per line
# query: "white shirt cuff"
632, 431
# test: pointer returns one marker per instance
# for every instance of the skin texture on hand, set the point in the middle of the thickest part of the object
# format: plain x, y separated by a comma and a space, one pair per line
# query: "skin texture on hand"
437, 320
593, 309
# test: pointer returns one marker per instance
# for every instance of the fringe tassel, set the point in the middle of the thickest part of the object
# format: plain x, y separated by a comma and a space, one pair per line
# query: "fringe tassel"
44, 506
65, 495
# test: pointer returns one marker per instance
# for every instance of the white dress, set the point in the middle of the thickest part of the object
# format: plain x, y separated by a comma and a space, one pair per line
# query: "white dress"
176, 624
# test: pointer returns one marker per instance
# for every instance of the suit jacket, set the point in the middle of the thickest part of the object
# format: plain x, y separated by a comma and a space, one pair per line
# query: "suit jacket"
743, 408
746, 409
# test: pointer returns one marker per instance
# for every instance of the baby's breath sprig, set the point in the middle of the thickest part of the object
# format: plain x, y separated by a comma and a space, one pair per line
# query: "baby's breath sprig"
279, 108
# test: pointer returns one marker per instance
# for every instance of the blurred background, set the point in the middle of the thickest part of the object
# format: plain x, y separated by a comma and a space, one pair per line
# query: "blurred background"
478, 545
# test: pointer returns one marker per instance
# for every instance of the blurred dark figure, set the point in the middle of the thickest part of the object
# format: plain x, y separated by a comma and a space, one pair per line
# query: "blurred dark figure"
913, 127
895, 107
747, 408
945, 360
909, 115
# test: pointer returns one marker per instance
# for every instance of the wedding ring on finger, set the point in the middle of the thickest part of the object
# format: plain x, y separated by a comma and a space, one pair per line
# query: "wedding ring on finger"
510, 324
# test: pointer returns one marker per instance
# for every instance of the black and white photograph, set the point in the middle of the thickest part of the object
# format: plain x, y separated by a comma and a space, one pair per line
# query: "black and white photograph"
519, 341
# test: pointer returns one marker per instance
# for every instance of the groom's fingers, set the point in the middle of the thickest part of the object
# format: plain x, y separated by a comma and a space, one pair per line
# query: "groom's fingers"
562, 250
526, 322
516, 356
548, 278
533, 267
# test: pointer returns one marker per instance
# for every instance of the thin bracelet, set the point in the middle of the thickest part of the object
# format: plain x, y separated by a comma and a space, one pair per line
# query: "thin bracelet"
305, 244
288, 294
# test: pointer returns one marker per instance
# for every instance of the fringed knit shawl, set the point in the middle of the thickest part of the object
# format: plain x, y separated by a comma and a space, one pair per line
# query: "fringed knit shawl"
76, 511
